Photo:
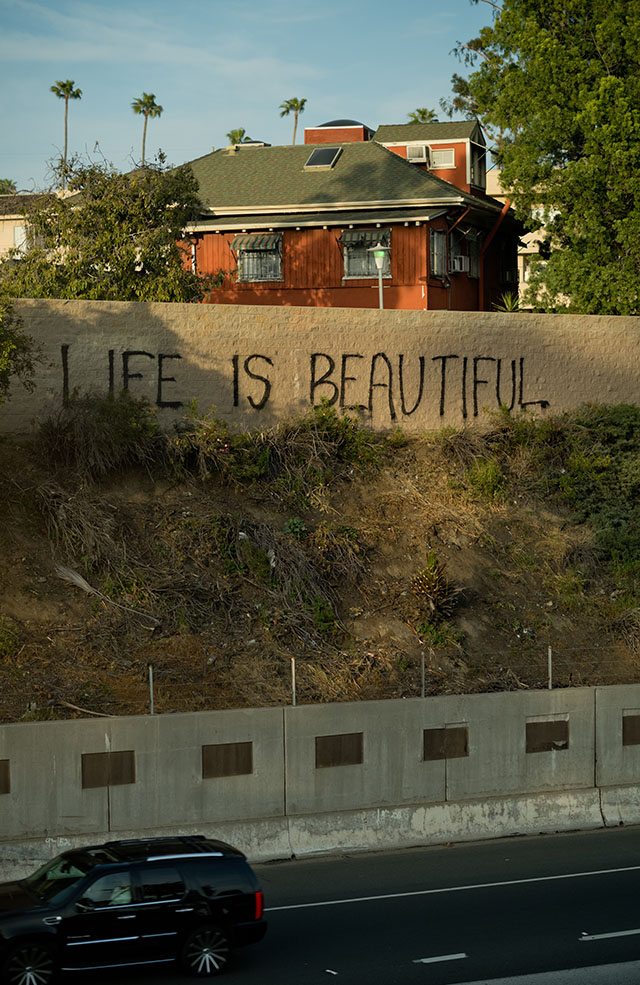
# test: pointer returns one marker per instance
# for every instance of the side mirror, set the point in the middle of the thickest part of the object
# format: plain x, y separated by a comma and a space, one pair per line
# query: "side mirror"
85, 904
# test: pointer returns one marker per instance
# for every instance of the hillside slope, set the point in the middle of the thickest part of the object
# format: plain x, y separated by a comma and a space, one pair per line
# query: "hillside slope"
469, 551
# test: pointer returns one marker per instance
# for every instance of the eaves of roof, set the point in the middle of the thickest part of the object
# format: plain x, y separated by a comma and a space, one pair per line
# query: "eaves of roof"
299, 220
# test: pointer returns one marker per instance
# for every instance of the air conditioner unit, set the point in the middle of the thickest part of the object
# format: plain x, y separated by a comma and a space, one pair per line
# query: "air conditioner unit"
418, 154
460, 265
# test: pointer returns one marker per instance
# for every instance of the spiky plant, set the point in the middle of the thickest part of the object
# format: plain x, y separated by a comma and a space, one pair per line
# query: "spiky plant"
433, 589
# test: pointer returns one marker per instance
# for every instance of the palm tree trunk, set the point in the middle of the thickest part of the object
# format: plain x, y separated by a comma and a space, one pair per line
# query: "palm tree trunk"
144, 136
64, 159
295, 125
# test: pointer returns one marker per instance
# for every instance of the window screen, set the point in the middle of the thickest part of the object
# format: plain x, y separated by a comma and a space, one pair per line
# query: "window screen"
443, 158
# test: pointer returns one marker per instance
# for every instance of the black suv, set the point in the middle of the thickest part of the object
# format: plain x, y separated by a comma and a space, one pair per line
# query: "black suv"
144, 901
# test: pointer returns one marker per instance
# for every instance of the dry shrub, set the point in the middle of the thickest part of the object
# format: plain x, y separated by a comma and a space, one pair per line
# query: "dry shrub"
463, 447
627, 626
80, 525
95, 436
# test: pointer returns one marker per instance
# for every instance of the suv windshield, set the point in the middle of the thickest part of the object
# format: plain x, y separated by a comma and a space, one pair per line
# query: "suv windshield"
54, 881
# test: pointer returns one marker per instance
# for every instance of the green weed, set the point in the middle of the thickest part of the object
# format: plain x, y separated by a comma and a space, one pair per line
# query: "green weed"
9, 637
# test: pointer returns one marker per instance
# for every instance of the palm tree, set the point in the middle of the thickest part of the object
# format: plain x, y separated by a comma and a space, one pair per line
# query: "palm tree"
7, 186
65, 90
423, 115
294, 106
238, 136
145, 105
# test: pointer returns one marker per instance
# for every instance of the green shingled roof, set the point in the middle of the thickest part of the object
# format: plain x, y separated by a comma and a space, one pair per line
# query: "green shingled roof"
462, 130
275, 177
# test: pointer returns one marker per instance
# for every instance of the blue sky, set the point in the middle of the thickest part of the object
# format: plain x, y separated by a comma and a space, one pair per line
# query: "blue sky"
213, 66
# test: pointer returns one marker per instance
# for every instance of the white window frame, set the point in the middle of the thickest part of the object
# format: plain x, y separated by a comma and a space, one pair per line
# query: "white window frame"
259, 266
20, 239
359, 262
443, 158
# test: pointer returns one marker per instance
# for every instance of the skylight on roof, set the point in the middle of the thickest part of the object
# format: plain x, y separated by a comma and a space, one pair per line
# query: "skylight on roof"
323, 158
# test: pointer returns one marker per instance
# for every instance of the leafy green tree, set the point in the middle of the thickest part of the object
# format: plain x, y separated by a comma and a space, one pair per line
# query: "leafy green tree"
145, 105
295, 106
238, 136
423, 115
7, 186
65, 90
117, 238
559, 80
17, 353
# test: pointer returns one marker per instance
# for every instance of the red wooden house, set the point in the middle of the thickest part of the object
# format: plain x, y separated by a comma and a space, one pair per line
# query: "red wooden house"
295, 225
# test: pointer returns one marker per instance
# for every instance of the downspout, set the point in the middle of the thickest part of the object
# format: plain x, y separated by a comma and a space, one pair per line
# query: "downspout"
498, 223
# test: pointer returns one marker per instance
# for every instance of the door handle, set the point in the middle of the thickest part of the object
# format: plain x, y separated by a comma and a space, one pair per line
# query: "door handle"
50, 921
185, 909
132, 916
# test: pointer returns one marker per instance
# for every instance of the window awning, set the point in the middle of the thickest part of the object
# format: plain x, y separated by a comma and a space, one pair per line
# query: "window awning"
256, 241
364, 237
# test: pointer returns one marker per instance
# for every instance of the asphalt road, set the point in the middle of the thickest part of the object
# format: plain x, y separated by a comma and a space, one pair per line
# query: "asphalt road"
558, 910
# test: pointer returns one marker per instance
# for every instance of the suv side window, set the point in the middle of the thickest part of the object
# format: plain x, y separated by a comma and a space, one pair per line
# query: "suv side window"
113, 889
159, 884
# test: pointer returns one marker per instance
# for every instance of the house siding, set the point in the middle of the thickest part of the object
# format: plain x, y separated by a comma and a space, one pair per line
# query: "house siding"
313, 273
457, 175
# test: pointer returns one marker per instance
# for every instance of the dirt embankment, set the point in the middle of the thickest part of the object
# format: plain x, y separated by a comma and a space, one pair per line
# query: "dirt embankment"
217, 586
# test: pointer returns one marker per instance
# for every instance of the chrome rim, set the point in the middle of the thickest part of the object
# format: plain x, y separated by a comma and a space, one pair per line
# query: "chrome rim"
207, 952
30, 966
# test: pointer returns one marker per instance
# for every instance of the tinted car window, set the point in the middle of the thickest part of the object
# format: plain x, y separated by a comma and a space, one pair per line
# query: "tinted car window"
161, 883
113, 889
55, 880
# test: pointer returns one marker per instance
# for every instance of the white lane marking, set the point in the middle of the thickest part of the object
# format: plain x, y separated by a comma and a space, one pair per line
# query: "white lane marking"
456, 889
440, 957
603, 937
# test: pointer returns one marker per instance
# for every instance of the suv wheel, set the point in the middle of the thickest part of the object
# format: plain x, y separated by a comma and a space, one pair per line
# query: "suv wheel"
29, 964
205, 951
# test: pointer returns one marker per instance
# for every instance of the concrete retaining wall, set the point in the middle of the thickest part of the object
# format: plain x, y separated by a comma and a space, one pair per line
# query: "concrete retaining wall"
258, 364
388, 780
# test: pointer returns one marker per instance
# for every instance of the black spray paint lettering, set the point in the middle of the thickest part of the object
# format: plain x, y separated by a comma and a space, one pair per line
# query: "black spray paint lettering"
322, 382
338, 392
126, 374
265, 380
517, 383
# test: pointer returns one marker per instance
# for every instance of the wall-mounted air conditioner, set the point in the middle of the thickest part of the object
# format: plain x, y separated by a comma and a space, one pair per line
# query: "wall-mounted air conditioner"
418, 153
460, 265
